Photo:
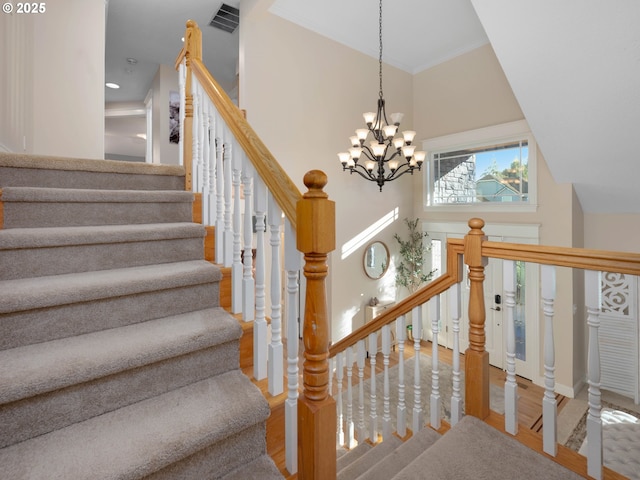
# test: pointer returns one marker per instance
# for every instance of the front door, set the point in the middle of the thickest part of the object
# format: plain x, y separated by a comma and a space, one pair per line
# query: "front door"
526, 310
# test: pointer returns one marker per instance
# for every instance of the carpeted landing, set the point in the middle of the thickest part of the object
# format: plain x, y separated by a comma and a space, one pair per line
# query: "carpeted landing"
116, 360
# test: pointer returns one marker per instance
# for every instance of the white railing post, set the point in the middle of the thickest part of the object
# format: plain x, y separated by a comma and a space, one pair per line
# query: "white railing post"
510, 385
360, 356
182, 80
236, 265
339, 415
386, 410
211, 194
350, 431
416, 322
434, 306
455, 306
248, 283
373, 348
220, 196
204, 107
292, 264
401, 409
196, 160
260, 326
592, 287
275, 362
228, 169
549, 403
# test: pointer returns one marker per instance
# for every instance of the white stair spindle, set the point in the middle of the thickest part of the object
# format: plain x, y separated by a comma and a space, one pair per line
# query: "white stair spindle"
455, 309
386, 410
434, 306
549, 403
236, 265
592, 287
510, 385
339, 415
220, 196
275, 365
248, 283
416, 322
260, 326
201, 138
401, 410
205, 158
349, 423
360, 356
211, 220
195, 161
332, 366
292, 265
373, 348
228, 185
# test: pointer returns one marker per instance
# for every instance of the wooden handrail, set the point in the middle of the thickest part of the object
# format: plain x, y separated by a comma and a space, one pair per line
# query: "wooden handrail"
274, 176
586, 259
453, 275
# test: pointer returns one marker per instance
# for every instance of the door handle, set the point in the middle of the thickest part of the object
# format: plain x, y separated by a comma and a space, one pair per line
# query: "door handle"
497, 309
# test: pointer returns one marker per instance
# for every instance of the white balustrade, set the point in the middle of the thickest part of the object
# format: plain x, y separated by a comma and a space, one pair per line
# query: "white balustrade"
339, 416
386, 410
260, 326
275, 362
360, 357
455, 306
248, 283
210, 218
401, 409
350, 440
236, 263
204, 143
373, 414
592, 287
434, 306
549, 402
182, 83
228, 189
416, 325
195, 91
220, 196
510, 385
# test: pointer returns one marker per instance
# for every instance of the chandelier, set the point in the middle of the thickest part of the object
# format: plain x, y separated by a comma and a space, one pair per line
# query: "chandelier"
385, 156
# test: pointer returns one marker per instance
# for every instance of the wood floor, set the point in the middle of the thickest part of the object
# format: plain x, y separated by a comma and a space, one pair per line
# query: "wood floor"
529, 406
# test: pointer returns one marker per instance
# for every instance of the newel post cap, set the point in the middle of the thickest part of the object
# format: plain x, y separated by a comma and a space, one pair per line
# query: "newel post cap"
473, 244
316, 216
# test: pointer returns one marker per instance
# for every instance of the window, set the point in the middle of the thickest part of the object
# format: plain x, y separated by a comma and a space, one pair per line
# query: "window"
489, 169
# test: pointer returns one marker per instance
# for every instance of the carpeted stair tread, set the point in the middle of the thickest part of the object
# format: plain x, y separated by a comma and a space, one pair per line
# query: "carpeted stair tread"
47, 162
14, 238
44, 367
78, 195
49, 291
262, 468
369, 459
139, 439
352, 455
473, 449
402, 455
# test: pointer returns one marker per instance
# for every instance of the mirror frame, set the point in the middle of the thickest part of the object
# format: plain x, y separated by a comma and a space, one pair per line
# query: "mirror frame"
364, 259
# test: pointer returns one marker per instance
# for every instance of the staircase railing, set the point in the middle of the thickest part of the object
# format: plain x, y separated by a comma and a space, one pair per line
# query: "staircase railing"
243, 189
355, 425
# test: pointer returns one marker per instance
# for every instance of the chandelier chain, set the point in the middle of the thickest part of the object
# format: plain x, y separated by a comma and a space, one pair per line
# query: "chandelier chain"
380, 54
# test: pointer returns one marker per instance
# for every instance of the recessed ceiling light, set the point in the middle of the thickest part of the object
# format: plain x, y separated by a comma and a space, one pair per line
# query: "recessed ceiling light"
112, 85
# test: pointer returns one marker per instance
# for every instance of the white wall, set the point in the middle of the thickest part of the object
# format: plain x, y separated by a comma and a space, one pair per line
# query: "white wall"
305, 95
53, 80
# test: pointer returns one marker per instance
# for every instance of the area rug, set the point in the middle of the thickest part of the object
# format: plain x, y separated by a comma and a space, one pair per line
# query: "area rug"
620, 438
445, 386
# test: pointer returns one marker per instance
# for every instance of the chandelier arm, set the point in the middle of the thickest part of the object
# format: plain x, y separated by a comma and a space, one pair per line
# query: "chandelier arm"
401, 170
366, 175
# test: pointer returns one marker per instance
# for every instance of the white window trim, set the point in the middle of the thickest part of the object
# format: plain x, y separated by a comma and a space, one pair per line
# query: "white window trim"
475, 138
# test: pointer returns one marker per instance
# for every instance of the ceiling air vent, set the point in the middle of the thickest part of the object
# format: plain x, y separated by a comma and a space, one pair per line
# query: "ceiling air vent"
227, 18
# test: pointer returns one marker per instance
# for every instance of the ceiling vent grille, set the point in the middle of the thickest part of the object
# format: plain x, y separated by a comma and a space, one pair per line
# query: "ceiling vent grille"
227, 18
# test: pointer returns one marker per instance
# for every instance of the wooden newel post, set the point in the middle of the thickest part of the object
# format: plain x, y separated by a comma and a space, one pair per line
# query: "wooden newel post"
193, 49
316, 409
476, 357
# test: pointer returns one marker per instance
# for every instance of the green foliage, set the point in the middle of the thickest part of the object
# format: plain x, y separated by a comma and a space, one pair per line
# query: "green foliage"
413, 256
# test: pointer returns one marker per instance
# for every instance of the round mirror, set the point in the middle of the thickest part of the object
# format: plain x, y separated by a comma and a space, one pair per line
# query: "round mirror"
376, 260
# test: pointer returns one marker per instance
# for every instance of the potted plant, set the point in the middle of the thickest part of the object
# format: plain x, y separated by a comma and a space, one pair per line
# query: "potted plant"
410, 271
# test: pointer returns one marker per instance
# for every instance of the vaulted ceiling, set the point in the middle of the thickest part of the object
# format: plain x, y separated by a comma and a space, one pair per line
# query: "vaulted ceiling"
574, 65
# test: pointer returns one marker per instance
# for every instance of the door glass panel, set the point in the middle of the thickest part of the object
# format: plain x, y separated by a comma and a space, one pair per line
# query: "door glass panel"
519, 314
436, 258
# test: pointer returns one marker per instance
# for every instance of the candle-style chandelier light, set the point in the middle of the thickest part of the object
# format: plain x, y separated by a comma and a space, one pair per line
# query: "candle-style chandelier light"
386, 156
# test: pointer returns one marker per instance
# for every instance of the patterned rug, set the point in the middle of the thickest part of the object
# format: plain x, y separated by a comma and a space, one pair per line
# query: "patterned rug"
620, 435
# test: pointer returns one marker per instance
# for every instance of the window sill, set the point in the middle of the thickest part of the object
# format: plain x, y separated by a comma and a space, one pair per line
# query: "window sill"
483, 208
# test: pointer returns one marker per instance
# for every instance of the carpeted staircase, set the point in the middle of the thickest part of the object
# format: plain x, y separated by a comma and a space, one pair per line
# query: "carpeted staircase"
471, 449
116, 360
